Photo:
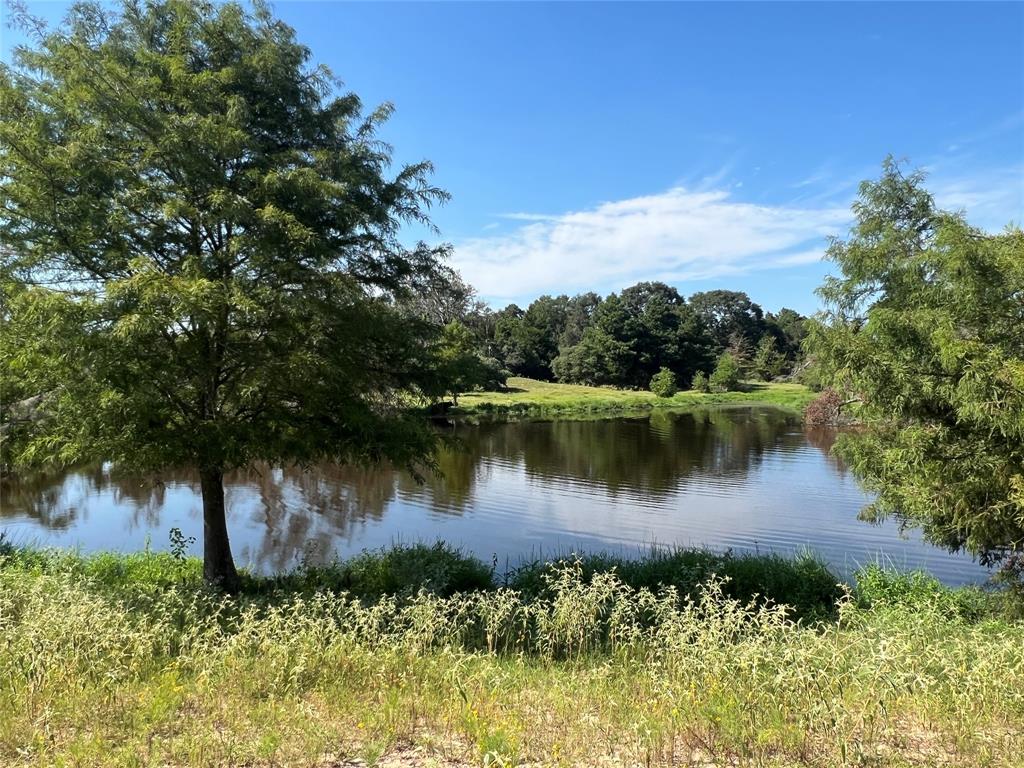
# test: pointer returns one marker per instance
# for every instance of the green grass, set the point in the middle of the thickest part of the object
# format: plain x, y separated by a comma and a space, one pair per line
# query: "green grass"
526, 397
127, 661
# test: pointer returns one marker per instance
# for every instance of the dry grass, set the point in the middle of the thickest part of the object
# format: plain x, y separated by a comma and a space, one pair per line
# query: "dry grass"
592, 672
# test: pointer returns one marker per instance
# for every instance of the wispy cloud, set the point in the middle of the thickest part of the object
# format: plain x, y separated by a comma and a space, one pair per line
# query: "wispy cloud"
528, 216
680, 234
690, 233
991, 200
1011, 122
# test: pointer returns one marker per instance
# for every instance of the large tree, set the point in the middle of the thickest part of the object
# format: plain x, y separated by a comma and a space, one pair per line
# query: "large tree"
925, 325
201, 258
730, 316
635, 334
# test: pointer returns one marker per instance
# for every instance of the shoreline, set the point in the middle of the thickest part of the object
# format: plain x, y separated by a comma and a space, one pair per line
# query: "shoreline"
526, 398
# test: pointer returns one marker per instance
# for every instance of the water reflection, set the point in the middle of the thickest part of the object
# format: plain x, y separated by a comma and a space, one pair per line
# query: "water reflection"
735, 477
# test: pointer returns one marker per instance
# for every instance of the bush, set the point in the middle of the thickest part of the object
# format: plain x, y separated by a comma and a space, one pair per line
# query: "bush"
881, 588
700, 382
768, 361
726, 376
401, 570
663, 383
803, 583
825, 409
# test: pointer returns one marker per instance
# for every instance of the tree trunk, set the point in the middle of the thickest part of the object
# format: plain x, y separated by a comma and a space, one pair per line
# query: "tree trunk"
218, 565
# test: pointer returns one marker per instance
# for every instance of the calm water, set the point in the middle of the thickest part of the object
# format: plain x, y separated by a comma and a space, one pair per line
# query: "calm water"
741, 477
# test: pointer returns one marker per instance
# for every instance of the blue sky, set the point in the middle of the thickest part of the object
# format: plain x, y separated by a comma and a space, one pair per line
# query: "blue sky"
589, 146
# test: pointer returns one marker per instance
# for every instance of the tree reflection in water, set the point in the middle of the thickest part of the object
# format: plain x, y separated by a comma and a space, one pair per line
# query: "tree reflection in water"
721, 476
305, 509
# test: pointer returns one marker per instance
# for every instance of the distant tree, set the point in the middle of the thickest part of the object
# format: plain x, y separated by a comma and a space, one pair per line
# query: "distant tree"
579, 315
512, 345
598, 359
768, 362
925, 324
663, 383
444, 298
789, 328
201, 253
527, 341
543, 324
727, 374
480, 319
462, 366
700, 382
652, 327
742, 351
729, 315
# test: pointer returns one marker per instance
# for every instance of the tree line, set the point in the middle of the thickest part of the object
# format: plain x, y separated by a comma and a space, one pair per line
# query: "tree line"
624, 339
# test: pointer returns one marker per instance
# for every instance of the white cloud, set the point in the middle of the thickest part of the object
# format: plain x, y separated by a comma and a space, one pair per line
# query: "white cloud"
680, 234
692, 233
990, 200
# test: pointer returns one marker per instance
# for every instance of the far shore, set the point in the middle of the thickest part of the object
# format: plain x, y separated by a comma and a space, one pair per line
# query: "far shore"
526, 397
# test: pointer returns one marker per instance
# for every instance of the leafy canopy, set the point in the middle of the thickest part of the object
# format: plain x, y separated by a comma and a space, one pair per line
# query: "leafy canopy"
926, 326
200, 249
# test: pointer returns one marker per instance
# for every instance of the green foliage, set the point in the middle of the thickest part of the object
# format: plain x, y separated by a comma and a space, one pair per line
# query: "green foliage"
527, 341
598, 359
461, 365
632, 336
400, 570
768, 362
726, 376
201, 252
579, 315
926, 327
700, 382
626, 338
789, 328
663, 383
729, 316
878, 588
804, 584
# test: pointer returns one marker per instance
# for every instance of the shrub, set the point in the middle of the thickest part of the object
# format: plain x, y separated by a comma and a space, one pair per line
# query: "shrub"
401, 570
726, 376
700, 382
824, 409
768, 361
882, 588
663, 383
803, 583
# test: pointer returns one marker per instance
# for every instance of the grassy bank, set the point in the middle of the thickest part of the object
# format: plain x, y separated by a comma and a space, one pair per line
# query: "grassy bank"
127, 660
527, 397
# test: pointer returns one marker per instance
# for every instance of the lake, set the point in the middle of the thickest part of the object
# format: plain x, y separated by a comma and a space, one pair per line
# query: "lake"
750, 479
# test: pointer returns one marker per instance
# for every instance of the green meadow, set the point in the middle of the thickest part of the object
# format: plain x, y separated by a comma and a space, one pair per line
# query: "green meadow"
528, 397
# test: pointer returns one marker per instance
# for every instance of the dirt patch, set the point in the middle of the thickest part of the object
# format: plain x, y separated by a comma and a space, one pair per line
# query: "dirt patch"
404, 757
